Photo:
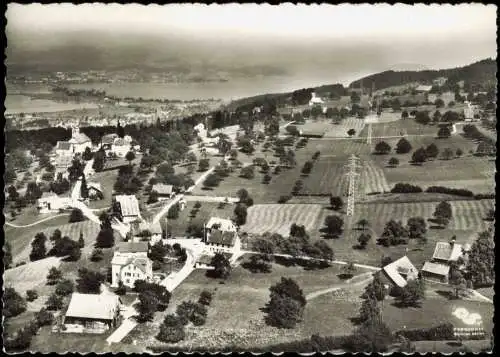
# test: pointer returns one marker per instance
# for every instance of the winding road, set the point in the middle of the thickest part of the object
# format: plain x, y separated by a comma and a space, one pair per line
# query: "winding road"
37, 222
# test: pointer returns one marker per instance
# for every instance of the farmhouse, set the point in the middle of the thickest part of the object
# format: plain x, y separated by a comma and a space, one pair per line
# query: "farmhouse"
95, 191
423, 89
129, 208
315, 100
438, 269
163, 191
221, 236
447, 252
147, 231
63, 148
400, 272
50, 202
130, 263
121, 146
92, 313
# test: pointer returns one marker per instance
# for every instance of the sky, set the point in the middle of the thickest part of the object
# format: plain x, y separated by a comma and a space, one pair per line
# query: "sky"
369, 36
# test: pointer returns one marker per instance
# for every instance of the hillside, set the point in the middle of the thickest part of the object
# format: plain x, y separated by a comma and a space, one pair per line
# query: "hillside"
482, 72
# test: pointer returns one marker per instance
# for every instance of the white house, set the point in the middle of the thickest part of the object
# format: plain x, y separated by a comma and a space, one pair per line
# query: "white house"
469, 111
221, 236
164, 191
92, 313
76, 145
50, 202
315, 100
121, 146
95, 191
400, 271
130, 263
129, 208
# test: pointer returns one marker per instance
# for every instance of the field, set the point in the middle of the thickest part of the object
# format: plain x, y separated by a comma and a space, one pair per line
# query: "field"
395, 128
327, 177
332, 130
235, 315
31, 275
277, 218
72, 230
107, 180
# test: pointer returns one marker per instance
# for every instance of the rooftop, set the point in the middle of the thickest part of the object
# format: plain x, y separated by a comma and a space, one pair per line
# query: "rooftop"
423, 88
63, 145
219, 237
132, 247
154, 228
162, 189
80, 138
95, 185
436, 268
129, 205
401, 266
225, 225
93, 306
447, 251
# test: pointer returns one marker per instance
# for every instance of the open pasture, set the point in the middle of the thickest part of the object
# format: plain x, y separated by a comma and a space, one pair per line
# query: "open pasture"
395, 128
72, 230
327, 177
277, 218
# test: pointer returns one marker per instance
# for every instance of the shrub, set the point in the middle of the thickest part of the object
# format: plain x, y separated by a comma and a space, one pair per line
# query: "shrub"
405, 188
44, 317
284, 199
31, 295
450, 191
437, 333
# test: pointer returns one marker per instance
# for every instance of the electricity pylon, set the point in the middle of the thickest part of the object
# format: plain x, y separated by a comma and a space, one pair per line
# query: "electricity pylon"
352, 175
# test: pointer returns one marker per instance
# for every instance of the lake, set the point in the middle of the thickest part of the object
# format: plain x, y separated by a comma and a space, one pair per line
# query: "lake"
233, 89
16, 103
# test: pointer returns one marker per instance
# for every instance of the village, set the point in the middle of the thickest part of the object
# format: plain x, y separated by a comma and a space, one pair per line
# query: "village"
246, 205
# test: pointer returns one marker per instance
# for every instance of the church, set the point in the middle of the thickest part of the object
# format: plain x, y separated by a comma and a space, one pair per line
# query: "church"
76, 145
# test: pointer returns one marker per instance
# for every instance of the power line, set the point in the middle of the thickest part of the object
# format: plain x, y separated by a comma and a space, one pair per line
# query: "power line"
352, 175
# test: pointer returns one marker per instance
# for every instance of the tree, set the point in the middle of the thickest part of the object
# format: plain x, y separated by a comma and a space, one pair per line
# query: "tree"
419, 156
13, 303
240, 213
458, 283
439, 103
87, 154
443, 213
171, 330
38, 250
99, 160
447, 154
444, 132
351, 132
7, 258
96, 255
89, 282
44, 317
382, 148
246, 146
417, 227
173, 212
130, 156
65, 287
436, 117
393, 162
222, 267
147, 306
76, 216
81, 241
404, 114
184, 311
54, 302
203, 164
31, 295
363, 240
394, 233
376, 289
336, 202
119, 130
369, 311
459, 152
432, 151
75, 170
326, 252
306, 170
349, 270
205, 297
105, 238
403, 146
412, 293
481, 261
53, 276
334, 225
12, 192
373, 336
286, 306
223, 145
422, 117
363, 223
248, 172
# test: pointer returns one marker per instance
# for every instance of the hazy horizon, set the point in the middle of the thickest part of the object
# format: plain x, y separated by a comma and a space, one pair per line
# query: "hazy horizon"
336, 42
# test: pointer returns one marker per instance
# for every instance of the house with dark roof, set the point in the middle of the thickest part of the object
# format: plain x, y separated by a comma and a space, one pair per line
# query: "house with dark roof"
92, 313
146, 231
95, 191
221, 235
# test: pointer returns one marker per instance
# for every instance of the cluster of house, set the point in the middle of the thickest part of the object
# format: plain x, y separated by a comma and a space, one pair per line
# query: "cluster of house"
437, 269
114, 145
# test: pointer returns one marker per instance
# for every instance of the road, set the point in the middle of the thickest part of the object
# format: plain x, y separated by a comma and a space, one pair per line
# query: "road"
212, 199
363, 279
35, 223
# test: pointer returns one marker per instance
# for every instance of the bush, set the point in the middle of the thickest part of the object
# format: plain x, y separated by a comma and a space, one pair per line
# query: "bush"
450, 191
483, 196
284, 199
406, 188
31, 295
14, 304
44, 317
438, 333
54, 302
